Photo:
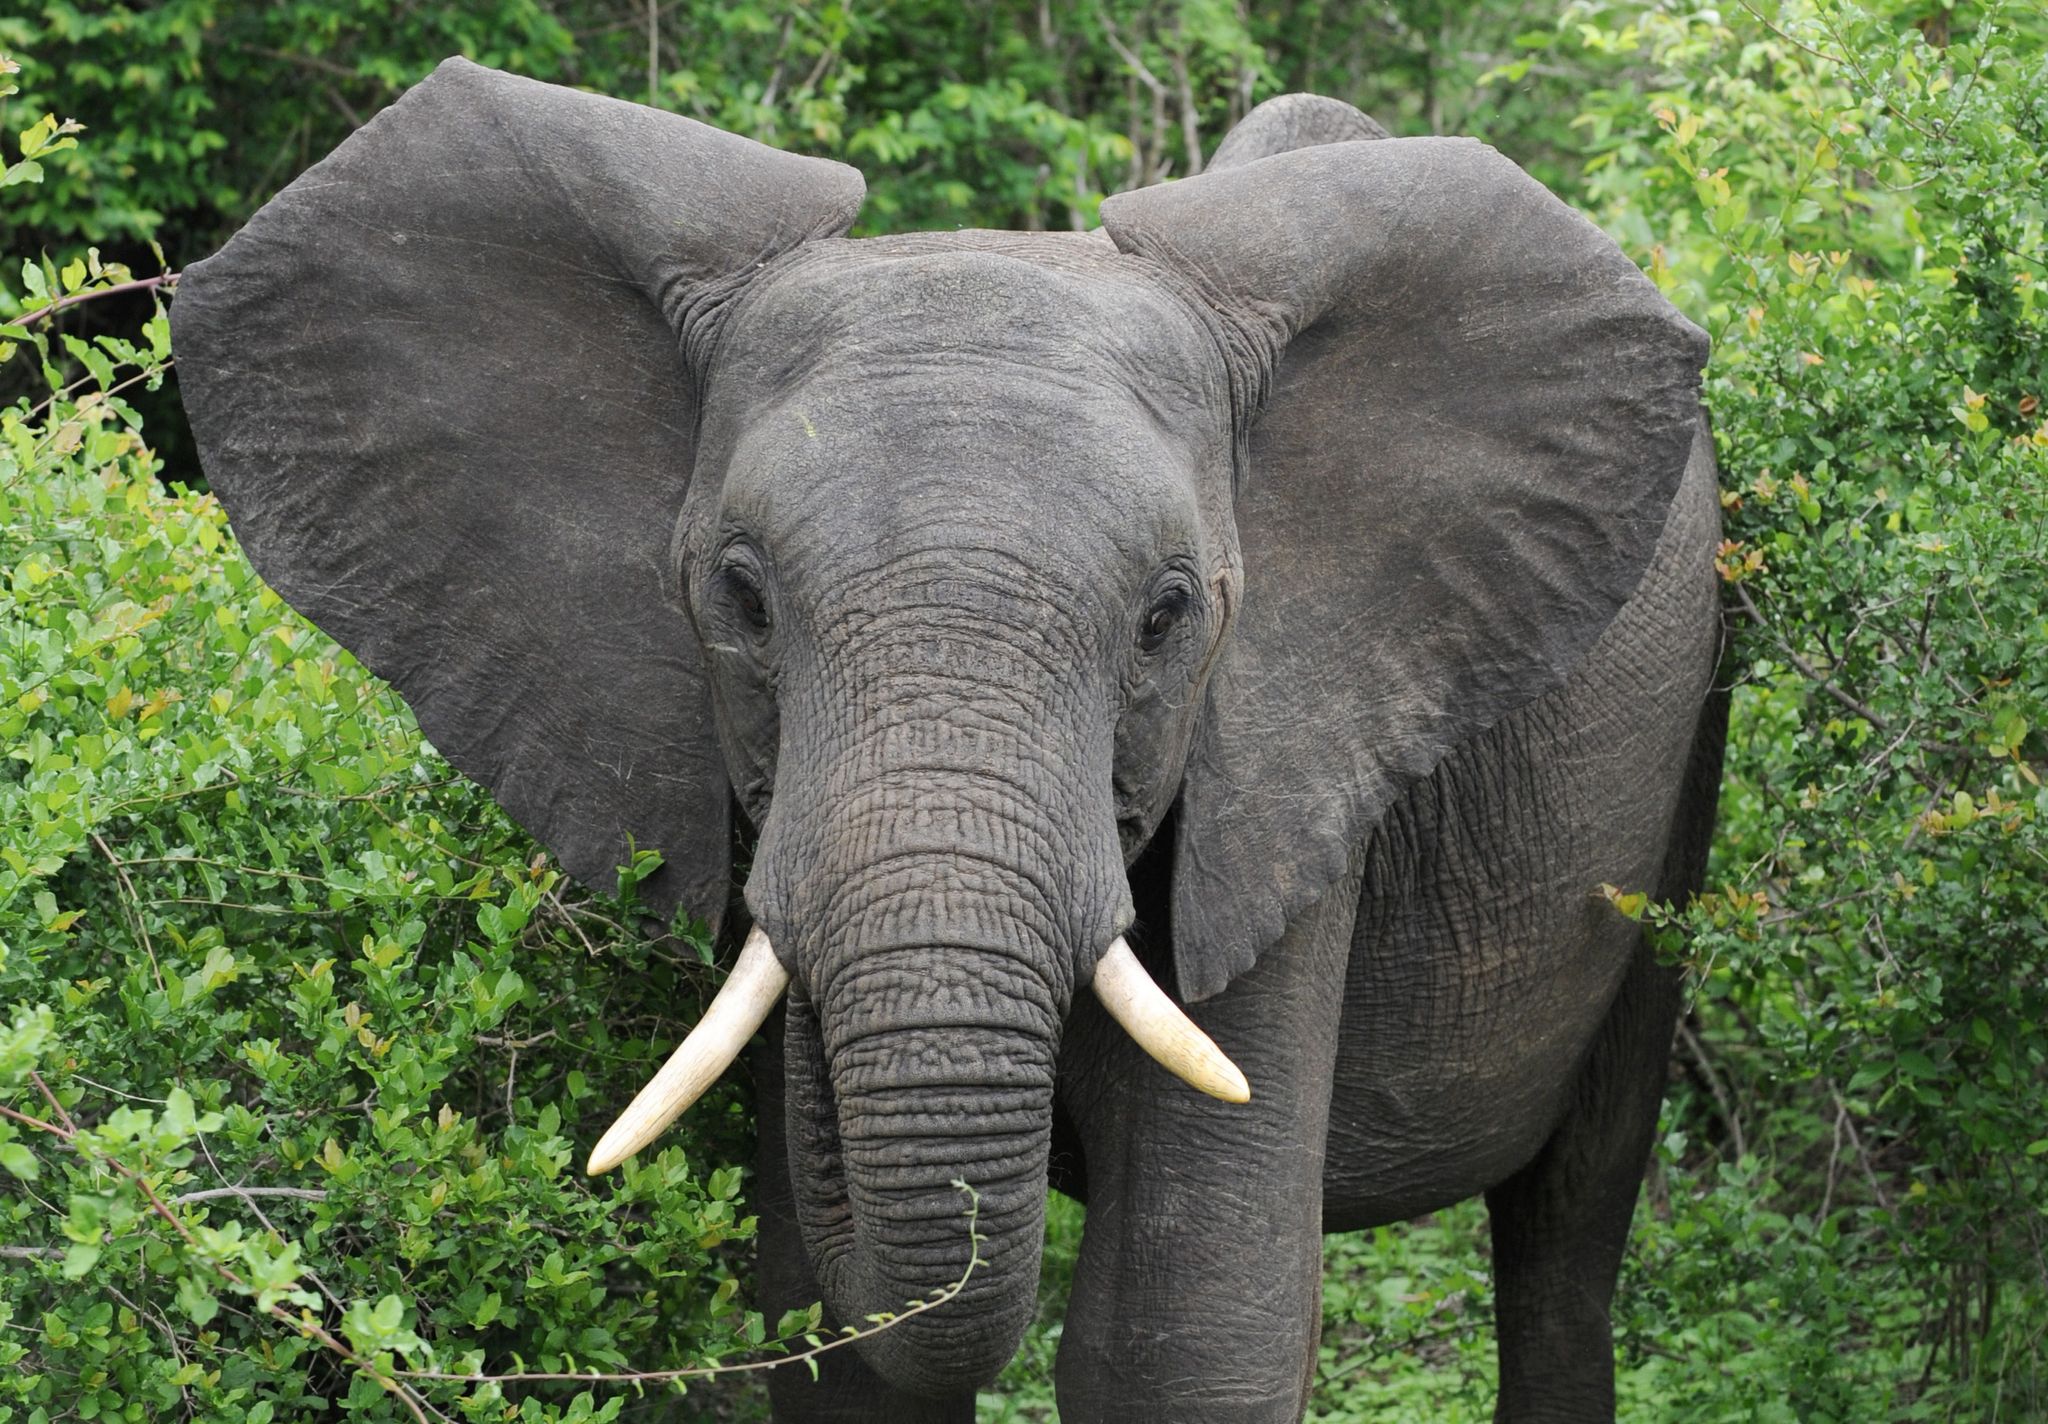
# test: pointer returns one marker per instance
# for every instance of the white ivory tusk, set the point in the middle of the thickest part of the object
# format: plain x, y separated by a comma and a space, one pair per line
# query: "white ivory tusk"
1161, 1029
749, 995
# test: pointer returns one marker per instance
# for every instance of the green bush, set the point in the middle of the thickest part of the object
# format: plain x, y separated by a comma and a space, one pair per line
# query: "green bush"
1856, 214
297, 1027
201, 110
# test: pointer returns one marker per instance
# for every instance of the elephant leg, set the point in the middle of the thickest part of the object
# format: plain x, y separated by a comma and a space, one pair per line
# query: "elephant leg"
1197, 1298
1560, 1224
846, 1391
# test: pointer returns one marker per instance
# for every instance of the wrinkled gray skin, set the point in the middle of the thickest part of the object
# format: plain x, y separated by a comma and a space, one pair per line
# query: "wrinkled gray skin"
1310, 574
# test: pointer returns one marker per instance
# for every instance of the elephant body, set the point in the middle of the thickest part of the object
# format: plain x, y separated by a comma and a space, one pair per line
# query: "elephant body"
1298, 595
1475, 987
1475, 1018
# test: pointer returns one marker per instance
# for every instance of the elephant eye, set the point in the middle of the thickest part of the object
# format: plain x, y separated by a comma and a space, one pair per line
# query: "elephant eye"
1166, 611
738, 588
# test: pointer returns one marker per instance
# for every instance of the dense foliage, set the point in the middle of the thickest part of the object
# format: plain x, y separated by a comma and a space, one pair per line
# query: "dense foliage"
304, 1026
1864, 238
327, 1030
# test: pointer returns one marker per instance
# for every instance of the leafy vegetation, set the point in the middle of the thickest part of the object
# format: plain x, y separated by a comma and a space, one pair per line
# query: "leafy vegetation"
304, 1026
1865, 242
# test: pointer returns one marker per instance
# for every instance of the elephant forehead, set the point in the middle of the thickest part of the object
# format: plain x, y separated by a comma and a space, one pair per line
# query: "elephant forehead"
1010, 316
915, 388
935, 470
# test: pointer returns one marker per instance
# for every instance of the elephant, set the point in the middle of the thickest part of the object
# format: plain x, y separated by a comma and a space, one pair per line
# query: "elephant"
1234, 644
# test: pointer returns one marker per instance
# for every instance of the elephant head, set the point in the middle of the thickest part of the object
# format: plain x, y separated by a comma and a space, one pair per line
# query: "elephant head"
952, 562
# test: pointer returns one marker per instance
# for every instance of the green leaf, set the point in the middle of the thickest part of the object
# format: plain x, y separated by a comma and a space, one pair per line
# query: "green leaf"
179, 1117
20, 1161
1918, 1065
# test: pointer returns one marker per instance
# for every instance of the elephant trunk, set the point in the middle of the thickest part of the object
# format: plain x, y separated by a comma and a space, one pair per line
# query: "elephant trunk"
931, 981
939, 871
880, 1131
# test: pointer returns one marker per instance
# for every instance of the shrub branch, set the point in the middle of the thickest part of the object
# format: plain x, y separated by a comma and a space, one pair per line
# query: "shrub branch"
400, 1382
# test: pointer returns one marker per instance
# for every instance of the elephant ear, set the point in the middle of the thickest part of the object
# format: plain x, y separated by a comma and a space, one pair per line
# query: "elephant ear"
440, 385
1476, 413
1291, 121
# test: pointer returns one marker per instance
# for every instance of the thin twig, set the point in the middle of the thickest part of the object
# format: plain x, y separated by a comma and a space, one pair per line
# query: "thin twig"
847, 1335
399, 1381
140, 284
1862, 1153
1722, 1100
115, 1092
135, 908
113, 390
257, 1212
315, 62
411, 834
1807, 669
1382, 1347
1154, 166
515, 1044
825, 59
51, 1098
310, 913
1190, 116
343, 107
1827, 684
1827, 1197
1849, 59
227, 865
511, 1079
653, 51
143, 1312
213, 1193
1130, 57
554, 899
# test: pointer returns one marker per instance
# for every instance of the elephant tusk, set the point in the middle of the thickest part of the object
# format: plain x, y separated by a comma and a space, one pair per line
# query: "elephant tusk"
748, 996
1161, 1029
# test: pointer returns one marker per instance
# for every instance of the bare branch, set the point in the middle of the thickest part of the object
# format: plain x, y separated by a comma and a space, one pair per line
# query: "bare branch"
653, 50
1190, 119
1153, 168
1719, 1091
212, 1193
134, 904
